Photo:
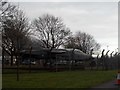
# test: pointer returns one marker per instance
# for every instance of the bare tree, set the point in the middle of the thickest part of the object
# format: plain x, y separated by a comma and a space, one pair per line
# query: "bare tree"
51, 31
6, 10
86, 42
15, 32
70, 42
83, 41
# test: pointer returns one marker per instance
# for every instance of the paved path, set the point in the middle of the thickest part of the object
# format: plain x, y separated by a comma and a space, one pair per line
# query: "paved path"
107, 86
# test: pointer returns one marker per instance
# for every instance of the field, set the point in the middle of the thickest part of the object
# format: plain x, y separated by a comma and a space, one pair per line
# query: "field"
66, 79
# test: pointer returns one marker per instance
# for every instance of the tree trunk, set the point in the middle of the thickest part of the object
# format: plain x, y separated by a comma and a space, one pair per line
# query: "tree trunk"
18, 68
17, 57
11, 58
30, 60
2, 60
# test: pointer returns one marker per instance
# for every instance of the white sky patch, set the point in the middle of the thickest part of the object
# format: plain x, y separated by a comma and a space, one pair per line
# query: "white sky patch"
99, 19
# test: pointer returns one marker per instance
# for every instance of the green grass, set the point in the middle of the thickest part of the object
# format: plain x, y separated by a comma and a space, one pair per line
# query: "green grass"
66, 79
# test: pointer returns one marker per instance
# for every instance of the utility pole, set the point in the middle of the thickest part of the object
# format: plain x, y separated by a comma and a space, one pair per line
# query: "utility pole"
17, 57
30, 60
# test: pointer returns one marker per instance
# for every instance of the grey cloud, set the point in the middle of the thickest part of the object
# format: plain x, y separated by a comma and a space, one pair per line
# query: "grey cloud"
98, 19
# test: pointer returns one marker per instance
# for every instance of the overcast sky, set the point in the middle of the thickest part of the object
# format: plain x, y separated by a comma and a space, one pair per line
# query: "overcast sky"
99, 19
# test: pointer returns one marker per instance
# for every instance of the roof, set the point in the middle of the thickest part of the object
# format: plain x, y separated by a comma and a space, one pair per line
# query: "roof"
72, 53
59, 51
77, 51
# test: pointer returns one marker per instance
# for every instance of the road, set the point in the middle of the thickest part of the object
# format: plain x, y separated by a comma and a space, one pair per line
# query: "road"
107, 86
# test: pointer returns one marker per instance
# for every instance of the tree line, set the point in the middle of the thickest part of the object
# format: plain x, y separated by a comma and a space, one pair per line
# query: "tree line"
47, 30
